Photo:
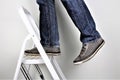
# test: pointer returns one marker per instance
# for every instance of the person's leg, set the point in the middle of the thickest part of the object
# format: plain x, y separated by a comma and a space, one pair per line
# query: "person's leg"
48, 28
83, 20
48, 23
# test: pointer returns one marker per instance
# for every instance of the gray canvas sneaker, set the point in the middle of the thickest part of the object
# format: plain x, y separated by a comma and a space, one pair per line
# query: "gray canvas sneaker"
89, 50
54, 51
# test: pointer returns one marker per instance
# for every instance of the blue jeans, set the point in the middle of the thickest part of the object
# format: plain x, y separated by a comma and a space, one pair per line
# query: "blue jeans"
79, 14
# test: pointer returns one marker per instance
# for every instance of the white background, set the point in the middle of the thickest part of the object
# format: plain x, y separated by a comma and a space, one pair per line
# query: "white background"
105, 65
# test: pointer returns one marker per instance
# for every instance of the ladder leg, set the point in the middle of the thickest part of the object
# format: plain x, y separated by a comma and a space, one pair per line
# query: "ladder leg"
39, 71
25, 72
20, 58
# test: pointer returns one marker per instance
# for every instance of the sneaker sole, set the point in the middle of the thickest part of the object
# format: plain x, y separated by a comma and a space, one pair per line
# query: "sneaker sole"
103, 42
49, 54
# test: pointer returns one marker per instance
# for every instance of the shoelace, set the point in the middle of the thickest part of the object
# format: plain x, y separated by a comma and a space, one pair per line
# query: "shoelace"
83, 49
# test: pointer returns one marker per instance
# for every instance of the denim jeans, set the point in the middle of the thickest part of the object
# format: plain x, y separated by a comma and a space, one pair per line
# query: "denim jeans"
79, 14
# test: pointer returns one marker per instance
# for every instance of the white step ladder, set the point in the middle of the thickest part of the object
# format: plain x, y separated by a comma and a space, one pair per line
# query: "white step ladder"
49, 61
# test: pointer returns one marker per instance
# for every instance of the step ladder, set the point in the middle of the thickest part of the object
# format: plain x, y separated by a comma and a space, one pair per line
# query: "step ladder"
43, 58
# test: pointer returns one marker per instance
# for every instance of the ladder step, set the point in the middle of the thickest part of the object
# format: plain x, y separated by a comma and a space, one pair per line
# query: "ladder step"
32, 60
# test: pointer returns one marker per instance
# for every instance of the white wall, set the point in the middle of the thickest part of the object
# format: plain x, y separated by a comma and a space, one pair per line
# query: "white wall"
105, 65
